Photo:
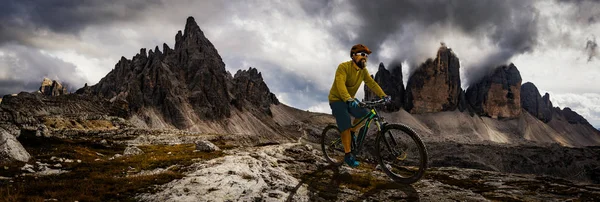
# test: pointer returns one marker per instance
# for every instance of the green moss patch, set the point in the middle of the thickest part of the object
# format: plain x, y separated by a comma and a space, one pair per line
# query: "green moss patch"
96, 178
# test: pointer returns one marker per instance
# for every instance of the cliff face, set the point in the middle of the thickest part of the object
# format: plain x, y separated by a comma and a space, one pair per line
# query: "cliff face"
249, 89
183, 85
536, 105
52, 88
497, 95
391, 83
435, 85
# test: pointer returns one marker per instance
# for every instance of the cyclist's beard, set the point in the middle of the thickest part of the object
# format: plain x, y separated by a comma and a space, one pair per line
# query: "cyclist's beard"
362, 63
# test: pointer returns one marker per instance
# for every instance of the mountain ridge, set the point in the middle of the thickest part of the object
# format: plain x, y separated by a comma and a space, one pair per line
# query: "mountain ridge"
188, 88
183, 86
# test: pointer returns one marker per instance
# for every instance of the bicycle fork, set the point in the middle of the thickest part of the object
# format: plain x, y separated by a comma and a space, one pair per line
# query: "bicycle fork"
392, 145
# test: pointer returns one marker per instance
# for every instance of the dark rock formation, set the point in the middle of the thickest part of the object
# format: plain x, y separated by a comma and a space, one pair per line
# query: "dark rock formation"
547, 104
369, 94
250, 89
463, 103
497, 95
391, 83
86, 90
541, 107
571, 116
184, 84
435, 85
533, 103
52, 88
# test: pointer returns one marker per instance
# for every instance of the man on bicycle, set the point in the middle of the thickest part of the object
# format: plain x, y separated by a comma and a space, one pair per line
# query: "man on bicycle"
348, 78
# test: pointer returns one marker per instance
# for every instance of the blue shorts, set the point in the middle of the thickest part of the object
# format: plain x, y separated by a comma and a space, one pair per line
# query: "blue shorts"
342, 111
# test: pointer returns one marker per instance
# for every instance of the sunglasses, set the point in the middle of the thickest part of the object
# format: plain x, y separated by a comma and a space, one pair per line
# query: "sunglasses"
362, 54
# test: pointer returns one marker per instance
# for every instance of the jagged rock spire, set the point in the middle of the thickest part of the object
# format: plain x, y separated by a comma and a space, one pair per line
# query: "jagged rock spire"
183, 85
435, 85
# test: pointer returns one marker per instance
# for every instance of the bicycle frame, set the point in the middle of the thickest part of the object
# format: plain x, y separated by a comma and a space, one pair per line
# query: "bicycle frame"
373, 115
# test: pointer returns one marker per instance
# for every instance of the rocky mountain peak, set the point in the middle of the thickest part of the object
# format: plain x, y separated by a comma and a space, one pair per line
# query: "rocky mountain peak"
249, 89
52, 88
184, 85
435, 85
391, 83
497, 95
191, 26
381, 67
533, 103
193, 38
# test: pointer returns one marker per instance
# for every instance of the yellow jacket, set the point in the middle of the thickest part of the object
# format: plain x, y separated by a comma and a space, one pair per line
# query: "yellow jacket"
348, 78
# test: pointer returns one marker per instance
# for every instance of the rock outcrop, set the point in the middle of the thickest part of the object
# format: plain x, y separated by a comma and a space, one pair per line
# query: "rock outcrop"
10, 149
86, 90
31, 111
52, 88
184, 85
206, 146
533, 103
249, 89
571, 116
435, 85
391, 83
497, 95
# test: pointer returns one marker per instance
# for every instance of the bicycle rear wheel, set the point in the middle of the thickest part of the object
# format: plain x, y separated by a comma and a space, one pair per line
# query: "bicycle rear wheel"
331, 145
401, 153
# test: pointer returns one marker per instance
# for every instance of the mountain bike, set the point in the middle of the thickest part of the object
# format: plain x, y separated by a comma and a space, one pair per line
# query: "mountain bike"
399, 150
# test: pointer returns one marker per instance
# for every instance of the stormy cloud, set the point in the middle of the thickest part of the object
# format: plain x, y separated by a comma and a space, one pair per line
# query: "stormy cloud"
23, 69
510, 26
298, 44
22, 20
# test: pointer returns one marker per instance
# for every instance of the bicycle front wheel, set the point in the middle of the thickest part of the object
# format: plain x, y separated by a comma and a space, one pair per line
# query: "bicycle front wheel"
331, 145
401, 153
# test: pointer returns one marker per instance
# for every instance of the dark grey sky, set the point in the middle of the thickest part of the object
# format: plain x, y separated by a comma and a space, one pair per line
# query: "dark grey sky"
298, 44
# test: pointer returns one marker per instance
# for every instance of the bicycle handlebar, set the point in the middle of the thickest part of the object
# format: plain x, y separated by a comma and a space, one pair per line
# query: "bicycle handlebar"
372, 104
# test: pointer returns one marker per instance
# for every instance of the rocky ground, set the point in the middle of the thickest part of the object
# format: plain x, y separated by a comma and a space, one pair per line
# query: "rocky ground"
165, 166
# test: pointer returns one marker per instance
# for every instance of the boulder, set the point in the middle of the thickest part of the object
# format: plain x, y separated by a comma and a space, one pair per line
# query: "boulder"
10, 149
206, 146
132, 151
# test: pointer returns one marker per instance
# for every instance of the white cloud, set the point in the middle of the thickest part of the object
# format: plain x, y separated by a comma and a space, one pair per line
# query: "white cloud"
559, 63
322, 107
